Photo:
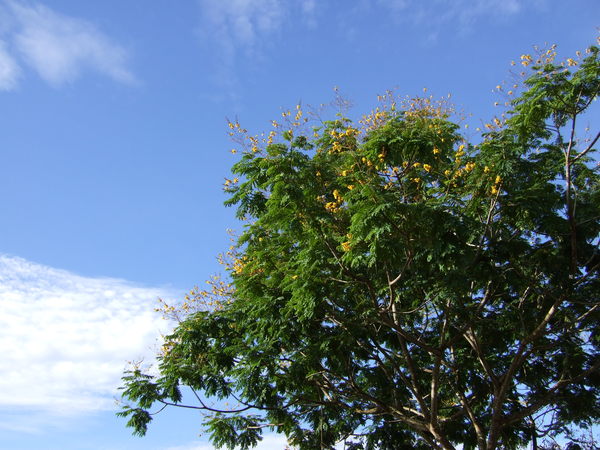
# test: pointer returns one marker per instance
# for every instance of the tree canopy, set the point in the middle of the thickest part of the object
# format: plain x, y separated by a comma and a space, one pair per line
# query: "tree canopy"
399, 285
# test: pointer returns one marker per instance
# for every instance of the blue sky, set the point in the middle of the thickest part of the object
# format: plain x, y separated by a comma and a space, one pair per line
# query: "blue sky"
114, 149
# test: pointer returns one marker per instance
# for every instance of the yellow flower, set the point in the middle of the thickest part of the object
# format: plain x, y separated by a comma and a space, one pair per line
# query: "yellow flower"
233, 151
427, 167
350, 187
436, 151
447, 172
337, 195
494, 190
571, 62
486, 169
331, 206
498, 179
417, 164
346, 246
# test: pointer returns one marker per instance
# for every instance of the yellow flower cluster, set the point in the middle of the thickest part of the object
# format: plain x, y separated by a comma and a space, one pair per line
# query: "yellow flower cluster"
374, 120
331, 206
348, 132
335, 205
343, 139
336, 147
214, 298
366, 161
496, 186
346, 246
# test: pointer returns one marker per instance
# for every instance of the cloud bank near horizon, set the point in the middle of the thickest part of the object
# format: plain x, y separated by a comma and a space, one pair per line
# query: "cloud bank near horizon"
67, 338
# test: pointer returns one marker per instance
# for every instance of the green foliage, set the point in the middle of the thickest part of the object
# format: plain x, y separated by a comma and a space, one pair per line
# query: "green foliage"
396, 286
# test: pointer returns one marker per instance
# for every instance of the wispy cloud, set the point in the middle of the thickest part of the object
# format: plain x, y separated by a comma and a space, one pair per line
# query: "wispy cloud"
58, 47
241, 28
244, 28
242, 22
65, 338
9, 69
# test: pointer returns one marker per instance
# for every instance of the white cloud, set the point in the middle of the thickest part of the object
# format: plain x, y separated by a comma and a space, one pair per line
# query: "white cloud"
269, 442
65, 338
60, 48
9, 69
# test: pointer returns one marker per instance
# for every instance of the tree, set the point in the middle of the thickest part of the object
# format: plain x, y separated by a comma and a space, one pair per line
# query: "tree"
396, 286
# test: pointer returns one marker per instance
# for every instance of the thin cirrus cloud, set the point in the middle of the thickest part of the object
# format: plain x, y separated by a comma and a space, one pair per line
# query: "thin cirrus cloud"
436, 15
241, 23
58, 47
240, 28
66, 339
9, 69
458, 8
244, 27
244, 23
